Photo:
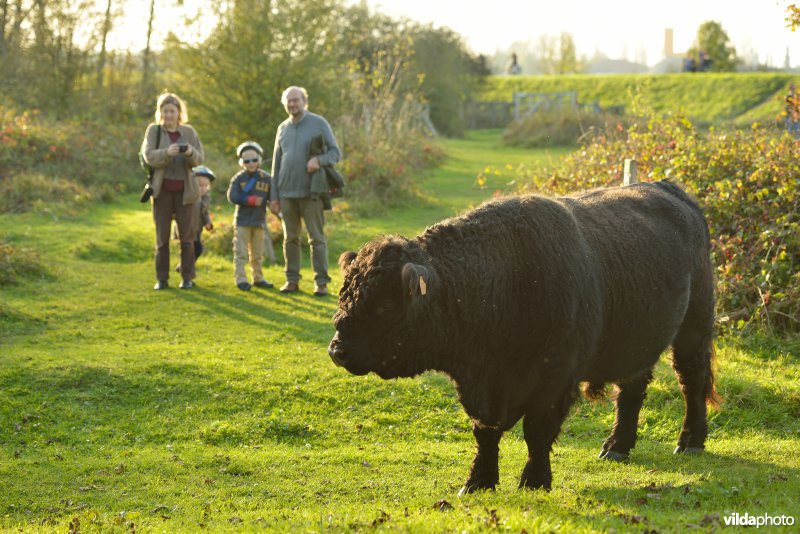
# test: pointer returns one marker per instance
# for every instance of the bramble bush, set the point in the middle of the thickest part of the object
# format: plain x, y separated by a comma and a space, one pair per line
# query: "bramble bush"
385, 143
745, 180
48, 165
558, 128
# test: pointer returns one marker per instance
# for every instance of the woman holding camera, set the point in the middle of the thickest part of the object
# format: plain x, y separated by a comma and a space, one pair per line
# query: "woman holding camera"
172, 148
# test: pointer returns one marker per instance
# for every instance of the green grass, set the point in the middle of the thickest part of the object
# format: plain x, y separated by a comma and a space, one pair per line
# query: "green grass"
122, 408
705, 97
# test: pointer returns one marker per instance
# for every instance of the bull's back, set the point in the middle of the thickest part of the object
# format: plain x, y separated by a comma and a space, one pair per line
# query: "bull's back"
651, 246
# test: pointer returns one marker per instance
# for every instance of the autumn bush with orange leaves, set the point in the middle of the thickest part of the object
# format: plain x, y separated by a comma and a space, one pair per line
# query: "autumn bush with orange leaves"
747, 183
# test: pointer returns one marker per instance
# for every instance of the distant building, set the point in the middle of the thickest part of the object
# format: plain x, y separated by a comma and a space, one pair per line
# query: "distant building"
672, 61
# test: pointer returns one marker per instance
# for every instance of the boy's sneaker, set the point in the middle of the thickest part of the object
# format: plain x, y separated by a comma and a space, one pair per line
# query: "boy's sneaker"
263, 284
244, 286
186, 284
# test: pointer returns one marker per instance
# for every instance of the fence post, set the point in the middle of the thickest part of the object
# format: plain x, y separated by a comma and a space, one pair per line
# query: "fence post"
629, 177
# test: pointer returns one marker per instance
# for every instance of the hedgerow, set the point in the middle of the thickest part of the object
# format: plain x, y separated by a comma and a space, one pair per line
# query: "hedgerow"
747, 183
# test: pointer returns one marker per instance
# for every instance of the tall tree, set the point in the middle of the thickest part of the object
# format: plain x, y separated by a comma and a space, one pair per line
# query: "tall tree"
714, 41
557, 55
567, 57
234, 79
101, 60
146, 68
449, 72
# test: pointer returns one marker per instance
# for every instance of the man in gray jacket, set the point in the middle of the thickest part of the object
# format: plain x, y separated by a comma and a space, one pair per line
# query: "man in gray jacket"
292, 167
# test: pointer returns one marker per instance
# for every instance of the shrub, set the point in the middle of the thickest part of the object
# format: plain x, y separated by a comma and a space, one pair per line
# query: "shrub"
18, 262
558, 128
746, 181
220, 240
382, 170
44, 163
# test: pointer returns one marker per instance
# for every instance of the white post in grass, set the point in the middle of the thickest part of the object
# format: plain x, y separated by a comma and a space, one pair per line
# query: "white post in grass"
630, 172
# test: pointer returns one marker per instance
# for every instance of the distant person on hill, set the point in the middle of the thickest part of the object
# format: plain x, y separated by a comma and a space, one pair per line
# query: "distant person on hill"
513, 66
172, 148
792, 111
204, 179
689, 63
251, 190
292, 168
704, 62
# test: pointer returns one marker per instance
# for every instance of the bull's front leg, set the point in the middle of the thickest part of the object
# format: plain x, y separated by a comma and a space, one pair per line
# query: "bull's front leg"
485, 473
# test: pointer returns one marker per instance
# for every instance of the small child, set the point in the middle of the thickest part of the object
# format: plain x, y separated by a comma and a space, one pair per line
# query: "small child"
204, 177
251, 190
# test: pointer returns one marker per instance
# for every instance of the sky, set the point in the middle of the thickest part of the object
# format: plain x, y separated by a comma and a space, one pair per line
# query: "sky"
620, 29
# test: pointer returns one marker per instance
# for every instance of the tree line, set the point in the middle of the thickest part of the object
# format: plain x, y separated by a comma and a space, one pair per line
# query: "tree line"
55, 57
557, 54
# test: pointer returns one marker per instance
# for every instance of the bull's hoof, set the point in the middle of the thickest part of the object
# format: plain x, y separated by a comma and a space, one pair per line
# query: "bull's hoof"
682, 449
614, 456
472, 488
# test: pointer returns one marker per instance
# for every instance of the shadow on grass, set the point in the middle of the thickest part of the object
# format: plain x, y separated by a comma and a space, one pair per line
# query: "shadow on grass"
13, 321
75, 405
243, 310
125, 250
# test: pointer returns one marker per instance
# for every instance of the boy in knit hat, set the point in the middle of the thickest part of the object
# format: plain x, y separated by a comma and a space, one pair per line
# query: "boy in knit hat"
250, 191
205, 177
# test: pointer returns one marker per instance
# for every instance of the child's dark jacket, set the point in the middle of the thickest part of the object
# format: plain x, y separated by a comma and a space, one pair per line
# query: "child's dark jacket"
247, 212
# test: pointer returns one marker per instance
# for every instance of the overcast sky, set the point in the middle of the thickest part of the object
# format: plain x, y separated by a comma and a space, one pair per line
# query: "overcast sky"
615, 27
629, 29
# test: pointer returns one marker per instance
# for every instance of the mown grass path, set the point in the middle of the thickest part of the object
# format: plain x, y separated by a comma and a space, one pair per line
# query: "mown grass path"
122, 408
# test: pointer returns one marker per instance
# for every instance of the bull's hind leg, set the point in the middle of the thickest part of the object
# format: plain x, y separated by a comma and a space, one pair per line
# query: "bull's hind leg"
485, 472
629, 402
692, 360
541, 426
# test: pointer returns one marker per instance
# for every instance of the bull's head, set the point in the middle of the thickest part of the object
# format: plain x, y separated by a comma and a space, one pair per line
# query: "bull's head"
381, 304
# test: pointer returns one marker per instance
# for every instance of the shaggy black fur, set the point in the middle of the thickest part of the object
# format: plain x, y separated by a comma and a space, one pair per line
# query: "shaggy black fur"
523, 298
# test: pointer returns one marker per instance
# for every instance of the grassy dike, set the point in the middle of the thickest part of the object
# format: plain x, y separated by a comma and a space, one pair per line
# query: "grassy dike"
707, 97
122, 408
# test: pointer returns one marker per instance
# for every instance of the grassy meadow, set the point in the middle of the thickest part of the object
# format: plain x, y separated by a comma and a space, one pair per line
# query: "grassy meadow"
127, 409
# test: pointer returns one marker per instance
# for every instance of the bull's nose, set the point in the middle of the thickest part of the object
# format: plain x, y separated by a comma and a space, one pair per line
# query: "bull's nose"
337, 352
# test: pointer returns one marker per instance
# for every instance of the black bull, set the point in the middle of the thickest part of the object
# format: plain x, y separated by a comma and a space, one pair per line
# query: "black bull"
523, 298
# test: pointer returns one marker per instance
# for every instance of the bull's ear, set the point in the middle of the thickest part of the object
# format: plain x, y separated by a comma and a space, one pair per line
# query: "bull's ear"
346, 259
416, 279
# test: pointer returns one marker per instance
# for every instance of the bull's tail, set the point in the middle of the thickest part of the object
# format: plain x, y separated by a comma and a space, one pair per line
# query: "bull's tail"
594, 391
713, 398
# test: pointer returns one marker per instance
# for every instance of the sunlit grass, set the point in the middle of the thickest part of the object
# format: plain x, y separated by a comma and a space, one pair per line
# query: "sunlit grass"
123, 408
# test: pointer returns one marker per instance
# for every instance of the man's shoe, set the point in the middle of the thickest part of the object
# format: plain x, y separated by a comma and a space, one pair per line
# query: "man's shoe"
321, 290
161, 284
263, 284
290, 287
186, 284
244, 286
